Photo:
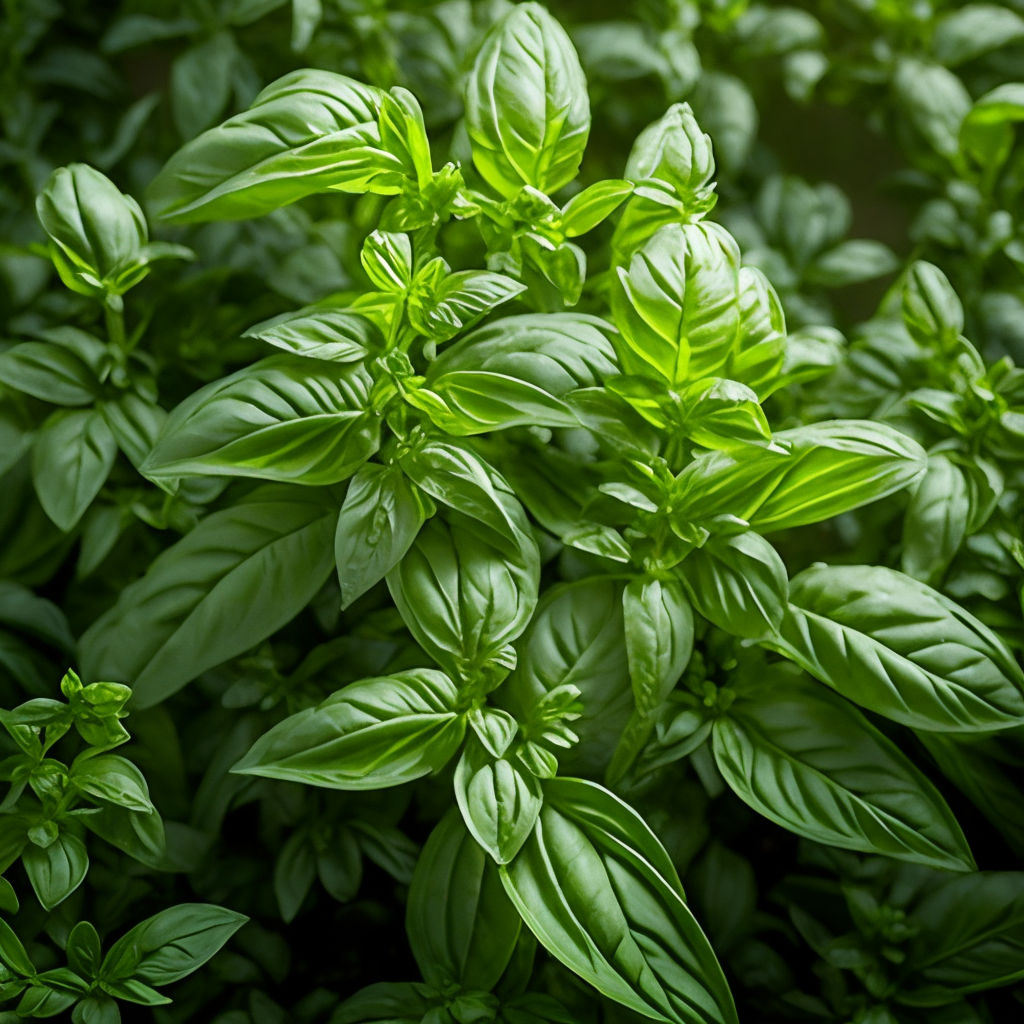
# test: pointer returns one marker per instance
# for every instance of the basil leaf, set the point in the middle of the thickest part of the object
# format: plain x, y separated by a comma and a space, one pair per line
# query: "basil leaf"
970, 936
241, 574
555, 352
306, 132
53, 373
678, 303
739, 583
285, 418
499, 801
462, 599
460, 301
335, 335
897, 647
811, 473
72, 457
855, 789
97, 234
459, 478
56, 871
370, 735
577, 638
936, 520
470, 402
588, 883
172, 944
527, 111
461, 926
658, 623
379, 521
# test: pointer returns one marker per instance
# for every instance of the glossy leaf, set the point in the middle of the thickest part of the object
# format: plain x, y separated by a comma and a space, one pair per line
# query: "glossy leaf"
370, 735
810, 762
897, 647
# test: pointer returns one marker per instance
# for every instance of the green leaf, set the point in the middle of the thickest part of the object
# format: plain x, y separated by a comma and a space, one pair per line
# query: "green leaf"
722, 414
851, 262
462, 599
462, 927
658, 623
598, 890
987, 130
83, 950
379, 521
739, 583
135, 421
974, 29
56, 871
53, 373
461, 300
309, 131
812, 763
527, 111
901, 649
555, 352
592, 205
811, 473
114, 779
577, 638
469, 402
457, 477
936, 520
334, 335
241, 574
932, 310
285, 418
294, 874
499, 801
970, 936
171, 945
935, 101
13, 953
386, 257
372, 734
201, 83
678, 303
72, 457
97, 234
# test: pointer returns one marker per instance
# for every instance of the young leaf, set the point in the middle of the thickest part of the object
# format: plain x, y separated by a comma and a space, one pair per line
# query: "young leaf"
812, 763
527, 111
461, 926
379, 521
658, 623
96, 234
463, 600
597, 889
739, 583
678, 304
499, 801
57, 870
897, 647
370, 735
